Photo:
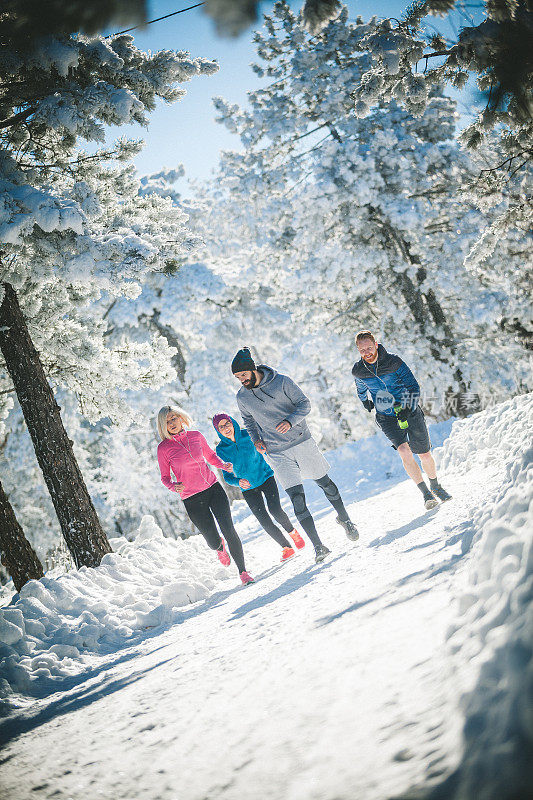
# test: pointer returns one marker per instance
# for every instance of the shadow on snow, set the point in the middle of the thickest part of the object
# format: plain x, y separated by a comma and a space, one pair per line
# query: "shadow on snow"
289, 586
13, 727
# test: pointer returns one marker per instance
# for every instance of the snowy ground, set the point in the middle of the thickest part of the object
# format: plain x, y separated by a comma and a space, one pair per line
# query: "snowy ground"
400, 667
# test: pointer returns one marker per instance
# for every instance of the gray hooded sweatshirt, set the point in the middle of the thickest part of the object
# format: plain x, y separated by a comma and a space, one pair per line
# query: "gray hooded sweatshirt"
276, 398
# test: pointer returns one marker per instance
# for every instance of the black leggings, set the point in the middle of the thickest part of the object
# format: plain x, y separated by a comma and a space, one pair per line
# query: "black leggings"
332, 493
297, 495
256, 504
203, 508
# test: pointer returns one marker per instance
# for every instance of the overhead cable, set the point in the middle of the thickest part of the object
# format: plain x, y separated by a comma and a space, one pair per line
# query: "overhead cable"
151, 21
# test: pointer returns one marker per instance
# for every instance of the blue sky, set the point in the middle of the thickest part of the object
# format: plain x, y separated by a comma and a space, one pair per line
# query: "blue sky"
186, 132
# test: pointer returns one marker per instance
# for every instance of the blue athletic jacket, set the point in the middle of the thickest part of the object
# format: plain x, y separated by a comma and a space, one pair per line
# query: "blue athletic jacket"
247, 462
389, 375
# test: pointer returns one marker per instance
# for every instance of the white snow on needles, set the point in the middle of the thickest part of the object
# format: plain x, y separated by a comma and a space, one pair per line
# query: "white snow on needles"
58, 625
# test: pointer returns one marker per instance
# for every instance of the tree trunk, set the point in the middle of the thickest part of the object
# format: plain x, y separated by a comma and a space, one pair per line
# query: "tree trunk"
18, 556
80, 525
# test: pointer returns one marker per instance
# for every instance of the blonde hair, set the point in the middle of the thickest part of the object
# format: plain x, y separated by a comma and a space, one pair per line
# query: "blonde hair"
162, 420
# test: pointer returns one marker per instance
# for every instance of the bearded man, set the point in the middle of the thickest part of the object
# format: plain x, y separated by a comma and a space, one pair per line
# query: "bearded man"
274, 408
386, 383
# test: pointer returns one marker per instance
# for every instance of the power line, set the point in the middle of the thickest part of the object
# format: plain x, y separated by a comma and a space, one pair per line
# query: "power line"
119, 33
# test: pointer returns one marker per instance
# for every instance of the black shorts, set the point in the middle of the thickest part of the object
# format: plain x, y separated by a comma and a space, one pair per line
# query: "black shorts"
416, 435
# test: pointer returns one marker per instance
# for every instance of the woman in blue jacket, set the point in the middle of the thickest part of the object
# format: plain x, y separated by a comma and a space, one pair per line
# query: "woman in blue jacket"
256, 481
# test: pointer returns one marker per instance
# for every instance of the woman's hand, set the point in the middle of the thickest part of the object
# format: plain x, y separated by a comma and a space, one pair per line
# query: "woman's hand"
228, 466
178, 487
244, 484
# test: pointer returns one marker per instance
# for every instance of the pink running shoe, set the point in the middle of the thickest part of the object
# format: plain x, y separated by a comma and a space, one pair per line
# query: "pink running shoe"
245, 578
223, 555
297, 539
286, 553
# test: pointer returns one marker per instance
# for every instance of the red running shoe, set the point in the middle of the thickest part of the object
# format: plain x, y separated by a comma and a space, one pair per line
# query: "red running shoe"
287, 553
223, 555
297, 539
245, 578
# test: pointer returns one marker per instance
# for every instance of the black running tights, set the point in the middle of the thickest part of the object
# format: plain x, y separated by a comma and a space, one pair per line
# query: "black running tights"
203, 509
256, 504
332, 493
297, 495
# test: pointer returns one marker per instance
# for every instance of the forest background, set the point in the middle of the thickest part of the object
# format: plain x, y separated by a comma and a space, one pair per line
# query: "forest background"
351, 199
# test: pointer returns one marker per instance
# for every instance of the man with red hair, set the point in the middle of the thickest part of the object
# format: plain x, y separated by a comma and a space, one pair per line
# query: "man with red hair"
386, 383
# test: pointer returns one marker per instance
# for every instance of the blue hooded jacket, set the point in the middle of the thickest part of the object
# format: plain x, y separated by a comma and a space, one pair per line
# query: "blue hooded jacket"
247, 462
389, 375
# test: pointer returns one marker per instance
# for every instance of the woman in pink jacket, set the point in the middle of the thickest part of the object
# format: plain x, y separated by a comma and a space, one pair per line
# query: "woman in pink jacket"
185, 452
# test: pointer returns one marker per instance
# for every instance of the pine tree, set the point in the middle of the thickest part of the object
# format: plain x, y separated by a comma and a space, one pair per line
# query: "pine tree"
19, 557
405, 60
81, 528
75, 232
406, 57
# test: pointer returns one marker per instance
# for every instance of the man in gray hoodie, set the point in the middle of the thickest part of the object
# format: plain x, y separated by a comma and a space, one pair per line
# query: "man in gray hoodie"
274, 408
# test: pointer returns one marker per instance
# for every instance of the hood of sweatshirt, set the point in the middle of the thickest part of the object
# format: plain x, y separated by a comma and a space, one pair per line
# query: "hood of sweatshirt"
247, 462
236, 427
268, 376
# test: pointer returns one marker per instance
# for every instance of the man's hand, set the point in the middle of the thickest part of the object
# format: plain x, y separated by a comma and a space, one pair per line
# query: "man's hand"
283, 426
244, 484
260, 446
369, 405
228, 466
404, 414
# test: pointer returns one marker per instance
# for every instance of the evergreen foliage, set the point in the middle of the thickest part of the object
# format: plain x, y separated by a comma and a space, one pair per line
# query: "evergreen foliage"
406, 58
76, 233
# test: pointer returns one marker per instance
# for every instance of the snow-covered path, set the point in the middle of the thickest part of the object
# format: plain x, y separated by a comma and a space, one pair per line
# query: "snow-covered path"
316, 682
372, 676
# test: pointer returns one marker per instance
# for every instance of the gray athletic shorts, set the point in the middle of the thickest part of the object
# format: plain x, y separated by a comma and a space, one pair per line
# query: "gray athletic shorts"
298, 463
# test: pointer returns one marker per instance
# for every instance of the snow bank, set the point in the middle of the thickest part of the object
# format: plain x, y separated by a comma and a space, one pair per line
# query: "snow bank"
492, 641
57, 624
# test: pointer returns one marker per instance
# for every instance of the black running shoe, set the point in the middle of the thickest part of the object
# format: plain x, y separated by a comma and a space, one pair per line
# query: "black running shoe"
321, 553
441, 493
351, 531
430, 502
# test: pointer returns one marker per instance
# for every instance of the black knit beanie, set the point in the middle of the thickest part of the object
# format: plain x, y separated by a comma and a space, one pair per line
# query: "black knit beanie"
243, 361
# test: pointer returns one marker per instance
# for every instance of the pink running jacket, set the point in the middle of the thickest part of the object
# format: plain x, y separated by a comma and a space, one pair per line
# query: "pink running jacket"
186, 454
